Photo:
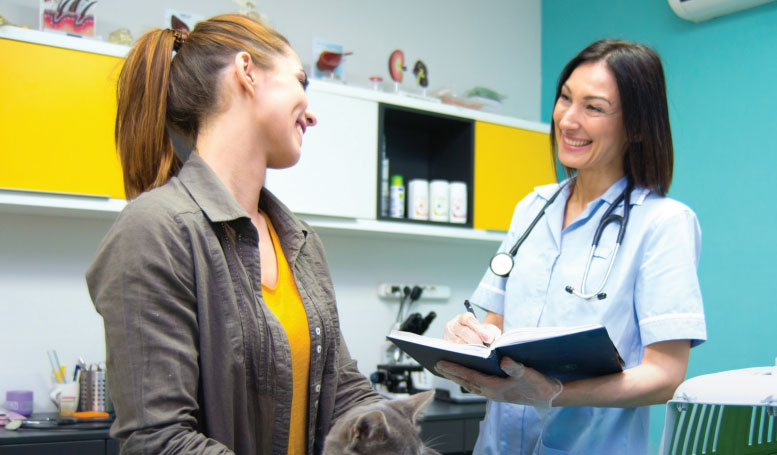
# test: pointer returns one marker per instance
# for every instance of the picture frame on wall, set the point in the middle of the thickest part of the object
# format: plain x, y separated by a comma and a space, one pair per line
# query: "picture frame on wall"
72, 17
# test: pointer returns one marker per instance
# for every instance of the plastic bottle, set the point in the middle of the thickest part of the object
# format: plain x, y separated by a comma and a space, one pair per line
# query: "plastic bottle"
384, 181
397, 194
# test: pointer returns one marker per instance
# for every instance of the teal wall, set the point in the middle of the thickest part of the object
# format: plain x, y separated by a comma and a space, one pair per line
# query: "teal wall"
722, 88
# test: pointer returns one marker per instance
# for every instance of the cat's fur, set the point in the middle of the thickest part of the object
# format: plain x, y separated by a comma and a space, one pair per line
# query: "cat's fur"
384, 428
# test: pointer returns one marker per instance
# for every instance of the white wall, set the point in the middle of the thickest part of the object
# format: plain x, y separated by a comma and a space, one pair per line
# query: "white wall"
44, 303
494, 43
490, 43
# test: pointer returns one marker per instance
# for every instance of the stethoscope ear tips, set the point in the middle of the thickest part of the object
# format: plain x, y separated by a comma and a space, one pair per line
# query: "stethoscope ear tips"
599, 296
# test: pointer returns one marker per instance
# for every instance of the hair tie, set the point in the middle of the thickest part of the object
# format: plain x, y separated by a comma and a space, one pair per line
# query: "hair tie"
180, 37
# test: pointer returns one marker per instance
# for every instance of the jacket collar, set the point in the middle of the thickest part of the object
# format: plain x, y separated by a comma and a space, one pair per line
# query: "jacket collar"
208, 192
218, 205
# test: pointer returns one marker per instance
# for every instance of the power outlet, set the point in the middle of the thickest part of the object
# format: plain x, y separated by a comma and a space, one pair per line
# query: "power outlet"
430, 291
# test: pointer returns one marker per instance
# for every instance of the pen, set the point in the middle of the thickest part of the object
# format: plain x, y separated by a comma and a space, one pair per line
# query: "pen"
468, 306
55, 366
471, 311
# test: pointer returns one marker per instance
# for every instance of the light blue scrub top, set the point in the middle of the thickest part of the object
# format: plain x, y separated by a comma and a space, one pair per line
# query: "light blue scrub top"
652, 295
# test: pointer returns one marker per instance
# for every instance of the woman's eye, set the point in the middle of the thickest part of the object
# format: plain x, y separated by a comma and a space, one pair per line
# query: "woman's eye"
596, 109
305, 82
563, 97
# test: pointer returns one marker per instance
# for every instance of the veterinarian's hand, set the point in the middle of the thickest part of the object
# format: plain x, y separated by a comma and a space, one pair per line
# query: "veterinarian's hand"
524, 385
466, 329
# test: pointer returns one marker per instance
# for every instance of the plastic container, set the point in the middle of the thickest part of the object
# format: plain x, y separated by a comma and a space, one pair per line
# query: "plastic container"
418, 199
19, 401
438, 200
458, 202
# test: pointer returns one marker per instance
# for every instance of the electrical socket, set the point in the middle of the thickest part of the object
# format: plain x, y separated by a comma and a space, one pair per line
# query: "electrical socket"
430, 291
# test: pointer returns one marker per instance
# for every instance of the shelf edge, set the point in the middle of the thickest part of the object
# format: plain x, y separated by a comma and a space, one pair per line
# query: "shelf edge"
60, 204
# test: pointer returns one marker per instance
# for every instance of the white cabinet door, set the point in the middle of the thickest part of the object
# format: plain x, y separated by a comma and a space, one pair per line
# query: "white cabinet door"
337, 173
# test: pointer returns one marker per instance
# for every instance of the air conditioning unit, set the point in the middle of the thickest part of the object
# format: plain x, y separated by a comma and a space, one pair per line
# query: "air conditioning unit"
701, 10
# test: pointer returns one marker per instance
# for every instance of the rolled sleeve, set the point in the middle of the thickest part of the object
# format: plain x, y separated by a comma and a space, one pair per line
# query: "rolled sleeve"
667, 294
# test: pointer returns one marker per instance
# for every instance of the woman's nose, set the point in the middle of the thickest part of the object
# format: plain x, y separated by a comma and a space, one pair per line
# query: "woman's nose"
568, 118
310, 118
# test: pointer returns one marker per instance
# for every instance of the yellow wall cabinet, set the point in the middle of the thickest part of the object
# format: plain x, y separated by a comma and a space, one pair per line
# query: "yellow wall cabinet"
509, 163
57, 113
56, 136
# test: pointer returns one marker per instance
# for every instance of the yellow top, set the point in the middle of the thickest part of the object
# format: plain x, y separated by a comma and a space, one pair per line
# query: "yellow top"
286, 304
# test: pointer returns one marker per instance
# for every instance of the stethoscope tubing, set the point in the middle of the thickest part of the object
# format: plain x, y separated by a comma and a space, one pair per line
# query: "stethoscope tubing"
502, 263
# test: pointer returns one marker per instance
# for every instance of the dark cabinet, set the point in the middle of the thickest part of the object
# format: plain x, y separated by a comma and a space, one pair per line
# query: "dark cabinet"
424, 145
451, 428
60, 442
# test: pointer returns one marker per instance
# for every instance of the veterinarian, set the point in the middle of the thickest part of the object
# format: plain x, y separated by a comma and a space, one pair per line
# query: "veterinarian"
610, 131
221, 327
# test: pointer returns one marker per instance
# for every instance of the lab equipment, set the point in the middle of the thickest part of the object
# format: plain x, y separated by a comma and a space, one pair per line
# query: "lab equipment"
502, 263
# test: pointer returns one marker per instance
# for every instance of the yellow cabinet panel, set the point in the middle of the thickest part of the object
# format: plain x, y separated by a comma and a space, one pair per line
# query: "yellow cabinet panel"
57, 111
509, 163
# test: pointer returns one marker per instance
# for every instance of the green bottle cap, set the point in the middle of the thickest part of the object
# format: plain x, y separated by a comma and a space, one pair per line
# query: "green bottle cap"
396, 180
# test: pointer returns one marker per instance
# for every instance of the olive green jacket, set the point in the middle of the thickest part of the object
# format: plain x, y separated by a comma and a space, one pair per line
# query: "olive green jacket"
197, 362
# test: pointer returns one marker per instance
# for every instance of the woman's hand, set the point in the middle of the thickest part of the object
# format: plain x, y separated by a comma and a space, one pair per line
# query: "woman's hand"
466, 329
523, 385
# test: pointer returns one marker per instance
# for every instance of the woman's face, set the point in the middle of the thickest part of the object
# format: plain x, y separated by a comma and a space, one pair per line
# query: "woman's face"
589, 122
282, 110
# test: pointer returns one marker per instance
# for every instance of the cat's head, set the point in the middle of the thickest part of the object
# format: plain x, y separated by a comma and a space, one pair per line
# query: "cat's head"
382, 428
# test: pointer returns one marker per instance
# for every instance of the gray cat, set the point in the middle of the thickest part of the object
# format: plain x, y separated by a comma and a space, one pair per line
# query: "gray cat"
384, 428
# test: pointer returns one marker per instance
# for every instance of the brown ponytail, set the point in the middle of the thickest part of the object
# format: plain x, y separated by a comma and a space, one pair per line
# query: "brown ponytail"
146, 151
156, 91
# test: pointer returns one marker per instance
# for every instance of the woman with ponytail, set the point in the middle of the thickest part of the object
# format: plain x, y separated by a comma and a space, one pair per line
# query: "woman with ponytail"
221, 326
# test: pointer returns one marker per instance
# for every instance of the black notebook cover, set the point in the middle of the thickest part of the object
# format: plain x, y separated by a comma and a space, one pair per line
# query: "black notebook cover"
575, 353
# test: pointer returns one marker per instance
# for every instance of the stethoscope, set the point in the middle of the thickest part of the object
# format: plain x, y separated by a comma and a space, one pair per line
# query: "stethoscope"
502, 263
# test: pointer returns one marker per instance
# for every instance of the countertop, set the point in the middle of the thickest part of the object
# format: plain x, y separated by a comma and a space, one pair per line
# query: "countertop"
435, 411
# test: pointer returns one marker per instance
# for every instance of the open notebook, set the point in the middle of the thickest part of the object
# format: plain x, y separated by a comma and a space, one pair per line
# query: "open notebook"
566, 353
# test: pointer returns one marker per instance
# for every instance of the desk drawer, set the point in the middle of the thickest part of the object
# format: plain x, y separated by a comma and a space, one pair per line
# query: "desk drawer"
96, 447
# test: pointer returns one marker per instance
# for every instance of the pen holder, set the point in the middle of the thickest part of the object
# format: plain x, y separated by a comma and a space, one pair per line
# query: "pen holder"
65, 396
94, 392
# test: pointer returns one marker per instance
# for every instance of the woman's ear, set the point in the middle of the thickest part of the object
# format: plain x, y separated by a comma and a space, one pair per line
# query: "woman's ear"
245, 71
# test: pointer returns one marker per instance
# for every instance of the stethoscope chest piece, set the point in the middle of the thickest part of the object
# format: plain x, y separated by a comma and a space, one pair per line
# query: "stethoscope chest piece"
502, 264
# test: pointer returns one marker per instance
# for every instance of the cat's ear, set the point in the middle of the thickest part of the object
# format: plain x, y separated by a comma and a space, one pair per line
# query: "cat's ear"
371, 426
409, 407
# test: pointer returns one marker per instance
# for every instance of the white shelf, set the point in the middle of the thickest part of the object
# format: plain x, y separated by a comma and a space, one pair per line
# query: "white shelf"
59, 204
429, 104
64, 41
104, 207
398, 229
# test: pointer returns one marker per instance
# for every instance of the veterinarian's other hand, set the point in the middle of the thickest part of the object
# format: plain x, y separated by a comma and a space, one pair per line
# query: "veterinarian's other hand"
465, 328
523, 385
